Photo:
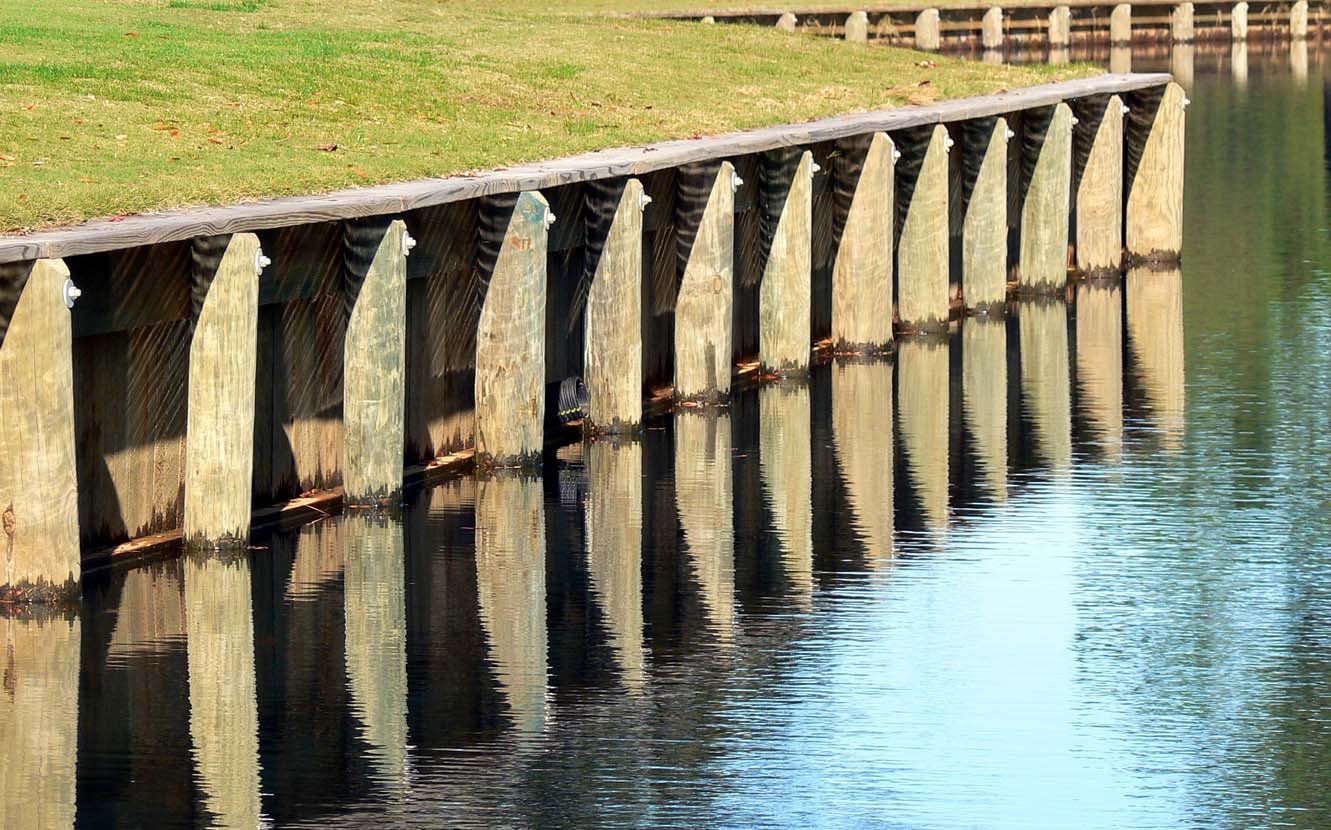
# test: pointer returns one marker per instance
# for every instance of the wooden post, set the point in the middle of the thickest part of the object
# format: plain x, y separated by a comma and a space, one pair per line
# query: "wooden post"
1060, 27
706, 295
1155, 175
1099, 148
1298, 20
862, 270
1181, 28
510, 343
784, 330
1100, 362
1155, 340
613, 346
1120, 25
1238, 21
928, 31
862, 437
703, 496
857, 28
39, 517
219, 437
984, 397
984, 228
991, 28
786, 22
1047, 158
1045, 381
614, 550
785, 459
374, 357
922, 407
922, 250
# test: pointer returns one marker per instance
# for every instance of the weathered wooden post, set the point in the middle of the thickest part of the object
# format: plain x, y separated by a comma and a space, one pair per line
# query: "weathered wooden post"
1045, 381
862, 436
928, 31
1120, 25
1181, 28
1060, 27
1238, 21
862, 270
785, 459
706, 295
784, 330
1098, 147
985, 226
1047, 171
857, 28
1298, 20
39, 517
612, 355
787, 22
510, 343
922, 249
219, 439
984, 397
1100, 361
374, 361
614, 549
1154, 159
991, 28
704, 486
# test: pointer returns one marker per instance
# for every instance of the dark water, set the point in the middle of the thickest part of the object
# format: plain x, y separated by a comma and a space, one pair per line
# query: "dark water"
1067, 570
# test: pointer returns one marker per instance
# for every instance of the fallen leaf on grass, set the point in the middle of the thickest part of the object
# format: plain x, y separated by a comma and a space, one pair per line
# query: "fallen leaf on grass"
327, 148
215, 140
87, 180
359, 172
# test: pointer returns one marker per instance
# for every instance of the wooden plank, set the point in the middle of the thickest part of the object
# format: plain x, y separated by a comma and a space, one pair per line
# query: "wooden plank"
785, 456
1100, 363
614, 551
984, 398
510, 343
1047, 160
862, 270
785, 333
103, 235
922, 249
374, 396
1098, 142
862, 436
928, 37
984, 227
219, 453
612, 361
1154, 159
39, 530
706, 293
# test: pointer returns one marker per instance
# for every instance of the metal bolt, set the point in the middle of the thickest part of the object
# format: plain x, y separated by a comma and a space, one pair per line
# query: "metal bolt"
815, 167
1186, 101
408, 242
260, 262
1075, 120
1126, 109
643, 201
549, 219
736, 183
896, 155
949, 143
1009, 135
72, 292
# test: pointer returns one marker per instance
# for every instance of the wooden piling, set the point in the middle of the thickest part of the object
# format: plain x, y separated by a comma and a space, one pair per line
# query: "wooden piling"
39, 519
1098, 146
922, 249
1181, 28
510, 343
1238, 21
219, 439
374, 361
614, 550
787, 22
1120, 25
984, 398
857, 28
785, 458
706, 296
1298, 20
784, 330
1154, 158
985, 227
1047, 165
862, 270
928, 31
1060, 27
991, 28
612, 357
862, 437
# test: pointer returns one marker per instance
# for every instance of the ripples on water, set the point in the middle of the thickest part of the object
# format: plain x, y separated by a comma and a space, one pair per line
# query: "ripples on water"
1066, 569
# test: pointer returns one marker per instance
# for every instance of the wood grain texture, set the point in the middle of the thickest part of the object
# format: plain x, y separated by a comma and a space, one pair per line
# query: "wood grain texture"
103, 235
1060, 26
862, 437
612, 359
928, 34
862, 270
1155, 194
1155, 342
1181, 25
785, 334
39, 516
857, 28
39, 720
991, 28
984, 399
922, 248
1045, 383
922, 413
706, 294
1100, 364
1120, 24
703, 489
785, 457
374, 394
985, 226
1238, 21
1098, 140
1047, 154
219, 437
510, 344
614, 507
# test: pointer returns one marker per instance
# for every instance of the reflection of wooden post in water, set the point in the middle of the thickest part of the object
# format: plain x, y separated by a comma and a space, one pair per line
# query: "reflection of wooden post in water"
510, 576
1120, 59
1238, 64
224, 709
614, 549
922, 406
1044, 378
1298, 60
785, 456
984, 397
1155, 334
1100, 362
39, 719
376, 639
862, 436
1182, 59
703, 497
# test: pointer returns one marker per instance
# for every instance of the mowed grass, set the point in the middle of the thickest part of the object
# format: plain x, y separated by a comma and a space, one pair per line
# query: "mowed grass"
112, 107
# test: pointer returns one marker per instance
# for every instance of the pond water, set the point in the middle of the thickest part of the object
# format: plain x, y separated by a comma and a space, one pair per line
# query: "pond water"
880, 599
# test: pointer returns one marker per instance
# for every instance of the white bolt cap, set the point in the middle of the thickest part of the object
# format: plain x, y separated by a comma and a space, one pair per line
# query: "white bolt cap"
1186, 101
1009, 135
949, 143
549, 219
260, 262
736, 183
1075, 120
1126, 109
408, 242
72, 292
644, 201
896, 154
815, 167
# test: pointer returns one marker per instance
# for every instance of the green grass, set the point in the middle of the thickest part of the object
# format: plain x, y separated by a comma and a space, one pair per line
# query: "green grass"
110, 107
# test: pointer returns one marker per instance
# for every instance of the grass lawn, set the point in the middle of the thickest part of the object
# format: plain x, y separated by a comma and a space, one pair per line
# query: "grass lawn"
110, 107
